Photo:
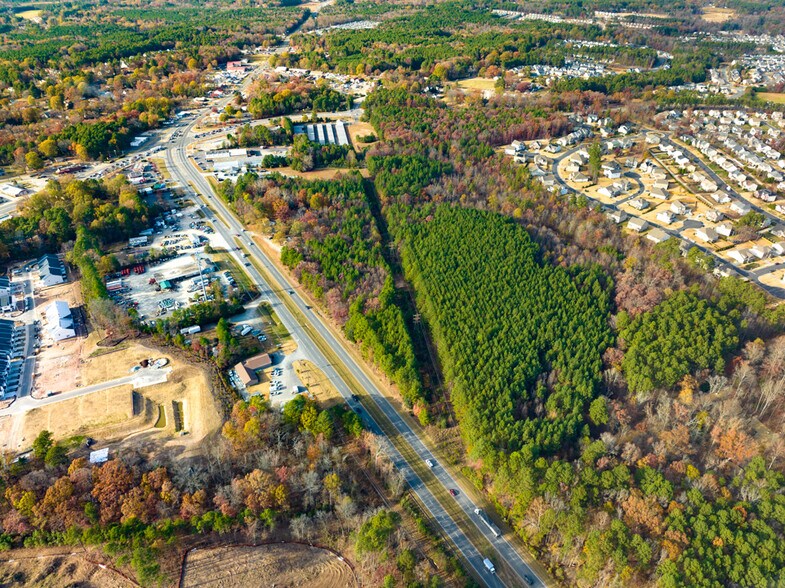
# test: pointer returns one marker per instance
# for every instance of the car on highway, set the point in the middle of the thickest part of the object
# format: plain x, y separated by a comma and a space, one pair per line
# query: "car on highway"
528, 579
429, 463
453, 492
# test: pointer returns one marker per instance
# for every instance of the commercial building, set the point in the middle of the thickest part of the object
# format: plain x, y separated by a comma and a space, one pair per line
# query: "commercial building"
247, 377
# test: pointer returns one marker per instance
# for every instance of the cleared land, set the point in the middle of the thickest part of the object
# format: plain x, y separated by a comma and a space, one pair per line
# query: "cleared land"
771, 97
58, 571
279, 565
34, 15
319, 386
477, 84
360, 129
55, 366
714, 14
185, 401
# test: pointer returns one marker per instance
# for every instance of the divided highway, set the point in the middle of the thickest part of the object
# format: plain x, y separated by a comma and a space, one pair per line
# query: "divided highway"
228, 226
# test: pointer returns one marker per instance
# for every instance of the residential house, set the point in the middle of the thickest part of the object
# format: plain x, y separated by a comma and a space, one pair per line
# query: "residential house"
639, 204
659, 193
678, 207
761, 251
707, 235
741, 256
740, 207
51, 270
579, 178
714, 216
720, 197
611, 169
666, 216
724, 229
59, 321
657, 235
662, 184
637, 224
618, 216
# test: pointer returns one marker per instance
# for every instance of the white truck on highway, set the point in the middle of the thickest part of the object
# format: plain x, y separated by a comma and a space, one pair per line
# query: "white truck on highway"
488, 523
489, 565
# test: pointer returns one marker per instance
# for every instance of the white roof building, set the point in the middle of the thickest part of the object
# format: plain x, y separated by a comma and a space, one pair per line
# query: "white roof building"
637, 224
657, 235
99, 456
60, 323
707, 235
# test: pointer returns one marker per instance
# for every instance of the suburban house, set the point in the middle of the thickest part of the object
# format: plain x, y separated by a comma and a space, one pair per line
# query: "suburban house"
720, 197
579, 178
725, 229
707, 235
666, 217
639, 204
740, 207
657, 235
714, 216
51, 270
678, 207
760, 251
638, 225
741, 255
618, 216
659, 193
611, 169
59, 321
662, 184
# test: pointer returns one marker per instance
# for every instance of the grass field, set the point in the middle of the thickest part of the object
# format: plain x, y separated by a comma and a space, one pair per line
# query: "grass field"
319, 386
772, 97
34, 15
477, 84
714, 14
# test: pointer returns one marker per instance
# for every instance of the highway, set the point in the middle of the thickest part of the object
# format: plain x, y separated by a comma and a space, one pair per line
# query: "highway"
183, 170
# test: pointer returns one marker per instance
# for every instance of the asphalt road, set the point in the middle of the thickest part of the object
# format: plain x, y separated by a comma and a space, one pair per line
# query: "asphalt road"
183, 170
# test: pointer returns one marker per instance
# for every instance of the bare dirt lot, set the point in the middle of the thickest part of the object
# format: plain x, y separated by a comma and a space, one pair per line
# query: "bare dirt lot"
280, 565
57, 572
360, 129
55, 366
183, 403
